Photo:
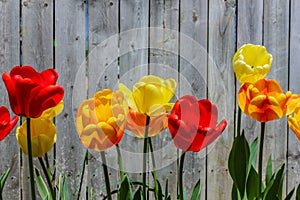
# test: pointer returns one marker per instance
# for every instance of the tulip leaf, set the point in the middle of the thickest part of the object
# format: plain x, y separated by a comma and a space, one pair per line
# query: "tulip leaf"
235, 193
63, 192
238, 162
253, 152
3, 179
125, 192
290, 194
41, 185
138, 194
273, 189
298, 193
159, 194
197, 191
167, 188
269, 170
252, 184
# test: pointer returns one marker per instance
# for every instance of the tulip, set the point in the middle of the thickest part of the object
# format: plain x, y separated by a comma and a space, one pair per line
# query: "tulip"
193, 124
31, 92
265, 100
151, 95
294, 122
6, 125
251, 63
42, 131
136, 123
100, 121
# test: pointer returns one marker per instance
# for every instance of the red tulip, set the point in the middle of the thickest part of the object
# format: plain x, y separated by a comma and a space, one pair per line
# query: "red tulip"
6, 125
193, 124
31, 92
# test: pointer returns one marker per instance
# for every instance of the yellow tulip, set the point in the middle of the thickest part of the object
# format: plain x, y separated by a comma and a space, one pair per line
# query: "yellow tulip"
151, 95
294, 122
100, 121
251, 63
42, 132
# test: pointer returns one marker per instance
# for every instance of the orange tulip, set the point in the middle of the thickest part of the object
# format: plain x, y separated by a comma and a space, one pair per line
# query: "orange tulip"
100, 121
294, 122
136, 123
264, 100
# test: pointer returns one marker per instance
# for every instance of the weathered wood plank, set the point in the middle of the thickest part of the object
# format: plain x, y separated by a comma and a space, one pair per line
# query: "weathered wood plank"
70, 55
249, 30
221, 92
293, 151
276, 40
37, 51
164, 40
102, 73
133, 66
193, 81
9, 57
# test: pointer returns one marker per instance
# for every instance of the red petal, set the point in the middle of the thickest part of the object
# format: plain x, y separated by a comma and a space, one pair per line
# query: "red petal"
46, 98
49, 77
4, 115
211, 136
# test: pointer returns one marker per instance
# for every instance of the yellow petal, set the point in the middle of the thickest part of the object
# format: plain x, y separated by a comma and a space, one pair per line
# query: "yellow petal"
43, 136
50, 113
251, 63
128, 95
151, 92
295, 126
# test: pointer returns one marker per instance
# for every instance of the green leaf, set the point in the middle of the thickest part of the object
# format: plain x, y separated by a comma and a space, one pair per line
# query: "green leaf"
238, 162
290, 194
273, 189
3, 179
235, 195
41, 185
196, 195
138, 194
252, 184
253, 152
167, 189
125, 192
269, 170
159, 190
298, 193
63, 191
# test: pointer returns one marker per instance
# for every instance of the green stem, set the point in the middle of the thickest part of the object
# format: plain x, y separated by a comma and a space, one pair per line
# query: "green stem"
82, 173
106, 175
47, 177
145, 155
180, 175
120, 162
47, 161
239, 121
154, 168
261, 146
30, 160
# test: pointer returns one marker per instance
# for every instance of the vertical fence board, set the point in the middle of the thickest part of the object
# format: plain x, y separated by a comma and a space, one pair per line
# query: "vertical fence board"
102, 73
193, 71
221, 92
164, 16
70, 55
293, 145
9, 57
133, 66
37, 51
276, 31
249, 30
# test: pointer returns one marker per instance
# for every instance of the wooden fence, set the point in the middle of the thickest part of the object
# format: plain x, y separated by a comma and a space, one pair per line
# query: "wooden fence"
121, 47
